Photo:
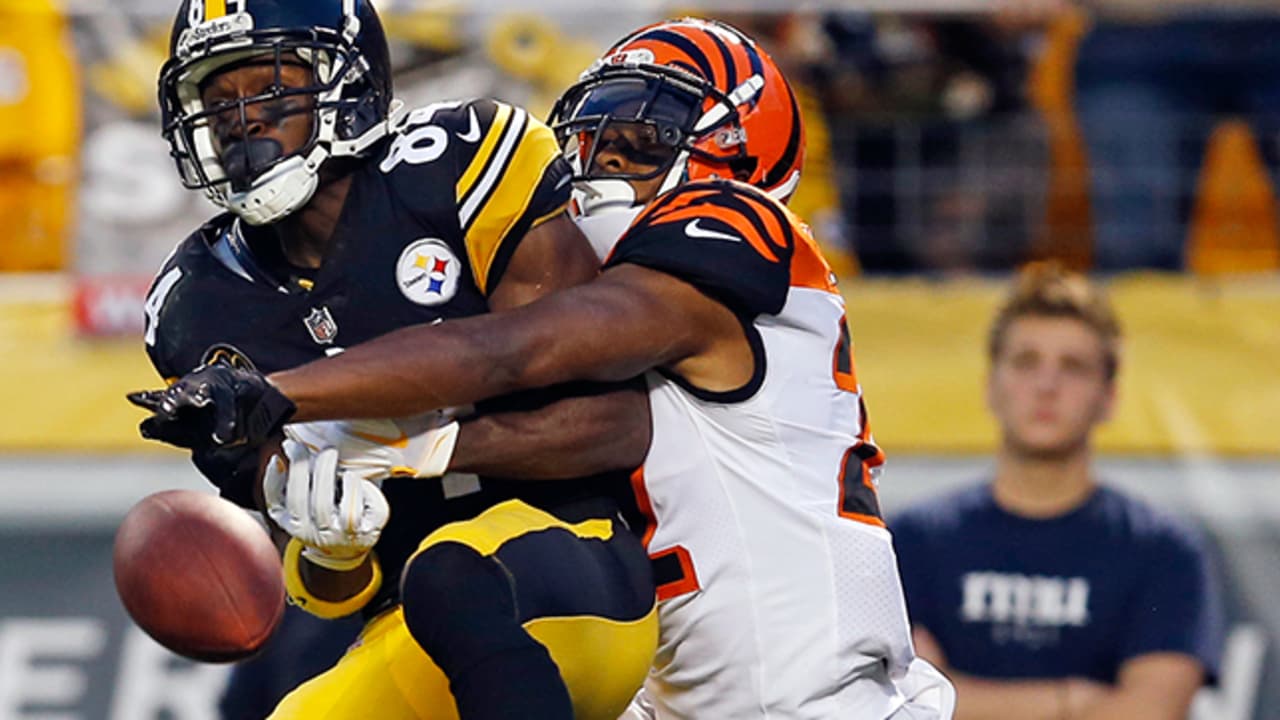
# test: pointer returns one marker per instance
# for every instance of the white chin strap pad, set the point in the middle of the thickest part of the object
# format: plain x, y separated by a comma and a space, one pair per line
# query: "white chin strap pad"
280, 191
605, 227
605, 208
593, 196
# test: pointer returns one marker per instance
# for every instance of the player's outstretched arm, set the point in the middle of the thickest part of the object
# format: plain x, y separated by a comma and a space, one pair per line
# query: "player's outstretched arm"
632, 319
562, 432
629, 320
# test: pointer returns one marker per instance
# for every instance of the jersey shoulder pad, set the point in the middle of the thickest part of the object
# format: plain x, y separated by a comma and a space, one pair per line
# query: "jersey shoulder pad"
726, 238
505, 167
180, 295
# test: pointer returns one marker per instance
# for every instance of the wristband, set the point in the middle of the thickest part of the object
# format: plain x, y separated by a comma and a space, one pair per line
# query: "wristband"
299, 595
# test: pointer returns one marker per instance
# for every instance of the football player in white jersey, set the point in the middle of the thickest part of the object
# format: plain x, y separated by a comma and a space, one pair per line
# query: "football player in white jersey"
778, 587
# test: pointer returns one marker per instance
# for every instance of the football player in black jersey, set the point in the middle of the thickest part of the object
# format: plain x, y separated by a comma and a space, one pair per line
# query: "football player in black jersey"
349, 216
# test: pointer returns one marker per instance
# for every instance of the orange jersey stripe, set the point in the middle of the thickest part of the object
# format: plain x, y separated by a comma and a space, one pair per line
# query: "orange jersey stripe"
645, 505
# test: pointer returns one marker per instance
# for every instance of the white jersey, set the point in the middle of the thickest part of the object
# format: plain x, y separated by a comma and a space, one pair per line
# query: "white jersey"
778, 586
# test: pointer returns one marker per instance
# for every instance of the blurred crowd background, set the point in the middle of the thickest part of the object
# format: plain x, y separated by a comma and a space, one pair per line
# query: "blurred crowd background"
950, 141
945, 136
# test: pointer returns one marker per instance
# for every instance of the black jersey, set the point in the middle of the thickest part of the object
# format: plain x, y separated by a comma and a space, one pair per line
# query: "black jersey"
428, 227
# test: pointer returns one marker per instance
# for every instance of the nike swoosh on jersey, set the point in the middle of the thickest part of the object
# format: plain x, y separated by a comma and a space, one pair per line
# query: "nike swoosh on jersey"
395, 442
696, 231
473, 133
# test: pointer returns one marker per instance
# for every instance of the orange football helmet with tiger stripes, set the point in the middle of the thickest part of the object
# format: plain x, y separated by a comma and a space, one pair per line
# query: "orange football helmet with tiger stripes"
712, 102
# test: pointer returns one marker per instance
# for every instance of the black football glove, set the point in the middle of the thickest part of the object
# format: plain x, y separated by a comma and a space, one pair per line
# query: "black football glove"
214, 405
233, 470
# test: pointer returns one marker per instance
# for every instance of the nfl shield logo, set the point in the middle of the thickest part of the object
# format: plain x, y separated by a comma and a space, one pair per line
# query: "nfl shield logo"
321, 326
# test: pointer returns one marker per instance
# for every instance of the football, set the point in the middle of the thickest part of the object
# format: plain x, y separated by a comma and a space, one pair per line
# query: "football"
199, 575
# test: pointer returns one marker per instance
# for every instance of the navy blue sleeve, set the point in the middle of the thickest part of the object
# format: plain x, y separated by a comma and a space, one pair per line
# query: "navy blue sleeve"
1179, 608
728, 240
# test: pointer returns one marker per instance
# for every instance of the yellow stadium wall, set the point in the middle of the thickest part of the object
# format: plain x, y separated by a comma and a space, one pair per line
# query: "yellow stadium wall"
1198, 373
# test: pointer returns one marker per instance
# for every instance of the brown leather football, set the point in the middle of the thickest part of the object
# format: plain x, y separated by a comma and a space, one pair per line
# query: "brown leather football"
199, 575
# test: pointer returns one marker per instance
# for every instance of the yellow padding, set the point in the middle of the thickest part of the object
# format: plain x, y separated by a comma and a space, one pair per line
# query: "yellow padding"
599, 690
383, 675
508, 520
303, 598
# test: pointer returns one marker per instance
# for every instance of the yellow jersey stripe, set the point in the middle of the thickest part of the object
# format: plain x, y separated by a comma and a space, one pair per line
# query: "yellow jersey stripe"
507, 521
214, 9
495, 167
508, 195
483, 155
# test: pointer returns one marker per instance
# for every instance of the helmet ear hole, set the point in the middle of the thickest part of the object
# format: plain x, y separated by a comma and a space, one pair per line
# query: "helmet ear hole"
354, 122
744, 167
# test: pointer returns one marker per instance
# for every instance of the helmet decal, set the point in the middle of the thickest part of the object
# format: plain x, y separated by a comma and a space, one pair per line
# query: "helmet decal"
212, 26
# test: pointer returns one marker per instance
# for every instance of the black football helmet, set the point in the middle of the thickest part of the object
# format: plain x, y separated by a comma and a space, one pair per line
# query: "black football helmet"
341, 41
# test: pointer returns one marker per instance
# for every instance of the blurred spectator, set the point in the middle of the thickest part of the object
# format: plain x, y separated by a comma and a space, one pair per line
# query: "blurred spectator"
1043, 594
1153, 79
943, 170
303, 646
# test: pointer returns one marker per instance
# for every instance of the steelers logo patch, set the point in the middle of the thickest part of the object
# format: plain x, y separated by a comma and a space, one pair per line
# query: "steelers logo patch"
428, 272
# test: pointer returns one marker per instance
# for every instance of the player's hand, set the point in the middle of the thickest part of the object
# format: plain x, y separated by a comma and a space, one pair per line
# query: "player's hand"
214, 404
337, 515
421, 446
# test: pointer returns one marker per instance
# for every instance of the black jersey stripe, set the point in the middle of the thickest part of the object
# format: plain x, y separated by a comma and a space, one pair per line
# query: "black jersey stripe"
779, 170
688, 47
726, 55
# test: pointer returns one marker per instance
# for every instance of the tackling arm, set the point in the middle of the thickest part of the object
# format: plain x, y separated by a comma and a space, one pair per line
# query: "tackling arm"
573, 437
630, 320
582, 431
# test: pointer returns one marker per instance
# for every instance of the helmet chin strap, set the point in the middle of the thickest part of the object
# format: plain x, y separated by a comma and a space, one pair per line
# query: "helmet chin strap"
604, 208
289, 186
279, 191
678, 174
602, 194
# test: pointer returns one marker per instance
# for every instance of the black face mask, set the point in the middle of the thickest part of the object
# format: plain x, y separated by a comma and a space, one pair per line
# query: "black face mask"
244, 160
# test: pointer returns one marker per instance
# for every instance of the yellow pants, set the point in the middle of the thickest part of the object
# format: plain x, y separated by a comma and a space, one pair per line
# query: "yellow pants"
386, 675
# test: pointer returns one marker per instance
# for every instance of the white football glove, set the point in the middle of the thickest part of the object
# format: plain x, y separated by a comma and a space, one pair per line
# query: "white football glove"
337, 515
420, 446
